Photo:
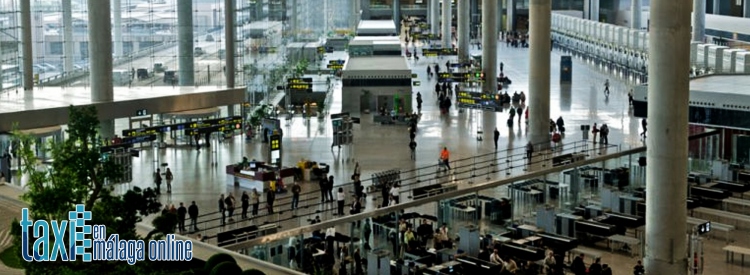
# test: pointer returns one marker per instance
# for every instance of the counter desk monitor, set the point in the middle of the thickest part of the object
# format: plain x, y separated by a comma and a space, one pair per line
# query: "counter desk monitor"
703, 228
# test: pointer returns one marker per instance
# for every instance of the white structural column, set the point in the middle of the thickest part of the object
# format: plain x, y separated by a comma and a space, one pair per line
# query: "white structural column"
68, 44
446, 24
717, 4
489, 45
117, 26
100, 50
464, 18
365, 9
635, 14
699, 20
540, 14
229, 41
510, 13
435, 17
26, 46
397, 15
666, 157
185, 42
100, 59
594, 9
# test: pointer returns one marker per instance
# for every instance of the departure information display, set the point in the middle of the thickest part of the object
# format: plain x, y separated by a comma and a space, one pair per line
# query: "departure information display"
299, 84
336, 64
466, 99
234, 122
439, 52
454, 77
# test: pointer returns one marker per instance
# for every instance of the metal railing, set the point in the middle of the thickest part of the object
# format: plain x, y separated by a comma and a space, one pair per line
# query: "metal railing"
466, 169
447, 195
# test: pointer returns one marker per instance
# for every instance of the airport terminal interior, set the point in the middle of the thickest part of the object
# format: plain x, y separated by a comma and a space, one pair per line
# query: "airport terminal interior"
420, 136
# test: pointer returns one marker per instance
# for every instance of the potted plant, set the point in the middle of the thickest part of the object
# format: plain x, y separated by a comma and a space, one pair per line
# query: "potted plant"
321, 109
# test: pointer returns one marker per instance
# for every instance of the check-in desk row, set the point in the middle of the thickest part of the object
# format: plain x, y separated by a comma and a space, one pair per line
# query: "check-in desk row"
526, 247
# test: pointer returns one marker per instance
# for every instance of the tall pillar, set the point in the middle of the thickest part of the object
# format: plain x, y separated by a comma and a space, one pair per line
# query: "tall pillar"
100, 51
699, 20
510, 14
185, 42
669, 56
117, 26
594, 9
489, 45
27, 46
294, 23
474, 21
464, 17
717, 5
68, 40
397, 15
540, 13
635, 14
229, 27
435, 17
446, 23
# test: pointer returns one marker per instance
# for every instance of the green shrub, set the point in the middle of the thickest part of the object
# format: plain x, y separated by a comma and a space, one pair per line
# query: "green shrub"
252, 272
226, 268
216, 259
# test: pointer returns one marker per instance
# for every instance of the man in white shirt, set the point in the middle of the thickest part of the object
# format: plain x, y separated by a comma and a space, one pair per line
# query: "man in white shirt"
444, 237
395, 193
495, 258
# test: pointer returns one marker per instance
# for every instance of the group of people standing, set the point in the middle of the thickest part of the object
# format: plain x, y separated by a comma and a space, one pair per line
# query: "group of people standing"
603, 132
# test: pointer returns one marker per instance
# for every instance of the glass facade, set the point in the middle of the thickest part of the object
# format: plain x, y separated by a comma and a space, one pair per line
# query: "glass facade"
145, 41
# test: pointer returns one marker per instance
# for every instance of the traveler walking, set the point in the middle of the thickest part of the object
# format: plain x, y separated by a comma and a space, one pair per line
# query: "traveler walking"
222, 209
245, 203
270, 197
445, 157
229, 201
413, 148
529, 152
157, 180
643, 125
594, 132
330, 188
606, 88
497, 136
169, 177
256, 201
395, 193
323, 184
604, 134
193, 213
296, 189
340, 199
181, 213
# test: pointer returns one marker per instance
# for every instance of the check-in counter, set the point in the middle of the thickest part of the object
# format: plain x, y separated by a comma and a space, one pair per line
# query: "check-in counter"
742, 63
716, 57
257, 176
730, 55
595, 228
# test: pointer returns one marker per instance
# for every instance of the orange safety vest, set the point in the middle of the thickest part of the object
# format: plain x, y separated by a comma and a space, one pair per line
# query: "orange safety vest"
445, 155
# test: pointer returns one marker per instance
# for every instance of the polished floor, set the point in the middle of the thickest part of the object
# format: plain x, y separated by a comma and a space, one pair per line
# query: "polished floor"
200, 176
